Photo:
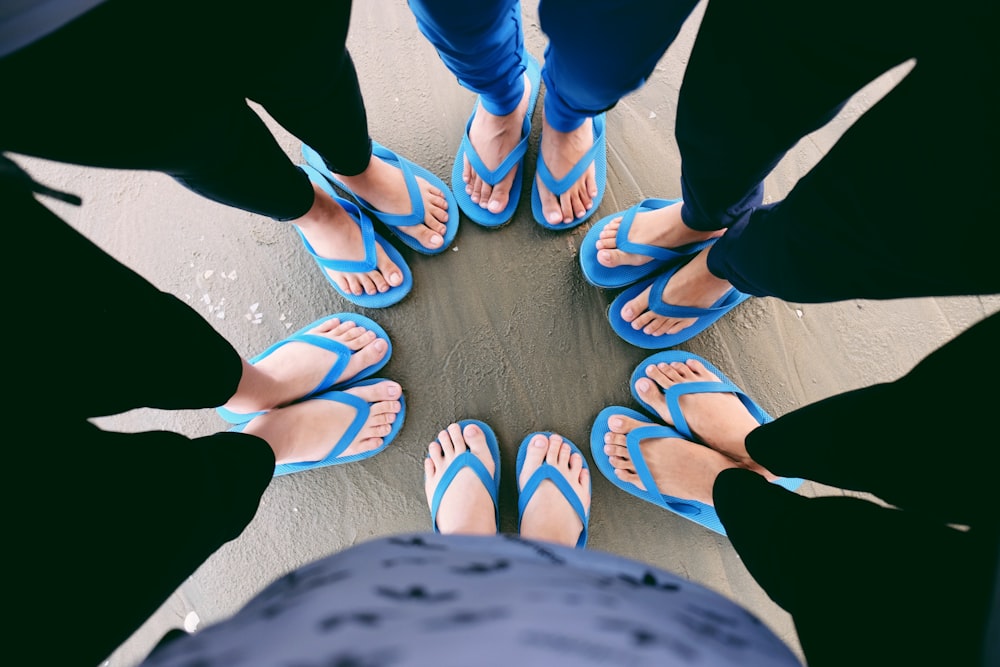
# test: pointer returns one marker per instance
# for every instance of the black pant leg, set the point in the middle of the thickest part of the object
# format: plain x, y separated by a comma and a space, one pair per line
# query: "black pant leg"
74, 96
922, 442
108, 525
311, 88
99, 339
760, 77
865, 585
895, 208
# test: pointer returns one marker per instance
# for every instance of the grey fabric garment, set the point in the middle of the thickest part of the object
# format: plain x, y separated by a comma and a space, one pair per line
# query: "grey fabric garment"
426, 598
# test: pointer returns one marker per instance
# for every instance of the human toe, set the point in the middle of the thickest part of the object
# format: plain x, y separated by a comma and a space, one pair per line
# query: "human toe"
537, 451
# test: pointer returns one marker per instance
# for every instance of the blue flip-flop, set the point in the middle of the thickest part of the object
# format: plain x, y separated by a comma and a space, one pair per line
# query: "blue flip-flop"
391, 296
705, 316
551, 473
694, 510
343, 358
469, 460
673, 394
515, 159
597, 154
613, 277
393, 221
362, 410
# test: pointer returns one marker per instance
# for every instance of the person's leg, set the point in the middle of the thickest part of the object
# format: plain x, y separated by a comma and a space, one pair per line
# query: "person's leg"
482, 44
920, 442
900, 588
888, 453
597, 53
311, 88
186, 116
862, 224
182, 116
744, 105
877, 173
128, 517
96, 323
840, 566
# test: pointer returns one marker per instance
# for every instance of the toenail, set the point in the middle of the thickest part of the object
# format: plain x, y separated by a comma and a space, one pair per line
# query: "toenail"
538, 441
616, 422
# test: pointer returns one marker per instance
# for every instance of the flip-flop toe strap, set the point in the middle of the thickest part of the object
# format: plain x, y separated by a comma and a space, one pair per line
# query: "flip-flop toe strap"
625, 226
494, 176
632, 442
464, 460
661, 307
558, 186
673, 394
551, 473
414, 217
367, 238
362, 411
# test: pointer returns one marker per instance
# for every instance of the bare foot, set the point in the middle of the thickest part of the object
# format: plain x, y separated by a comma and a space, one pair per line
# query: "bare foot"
466, 506
493, 138
333, 234
296, 368
720, 420
561, 151
661, 227
548, 516
383, 186
308, 431
692, 285
680, 468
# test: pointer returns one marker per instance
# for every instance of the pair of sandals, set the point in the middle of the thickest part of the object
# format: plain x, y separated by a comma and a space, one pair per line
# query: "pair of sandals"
329, 390
492, 482
654, 274
693, 510
596, 155
359, 209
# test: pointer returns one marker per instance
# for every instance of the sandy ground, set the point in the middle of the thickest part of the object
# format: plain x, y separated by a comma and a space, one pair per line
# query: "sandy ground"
502, 327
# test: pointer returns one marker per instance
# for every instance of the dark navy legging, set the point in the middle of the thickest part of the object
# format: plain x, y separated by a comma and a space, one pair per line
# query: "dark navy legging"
163, 86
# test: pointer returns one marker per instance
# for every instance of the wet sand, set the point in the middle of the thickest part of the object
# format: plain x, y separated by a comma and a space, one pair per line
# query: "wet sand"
502, 327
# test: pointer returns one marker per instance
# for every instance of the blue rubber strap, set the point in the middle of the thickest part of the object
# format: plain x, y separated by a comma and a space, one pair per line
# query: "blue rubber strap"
237, 417
558, 186
342, 351
674, 393
494, 176
661, 307
464, 460
632, 442
550, 472
369, 263
656, 252
414, 217
360, 417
